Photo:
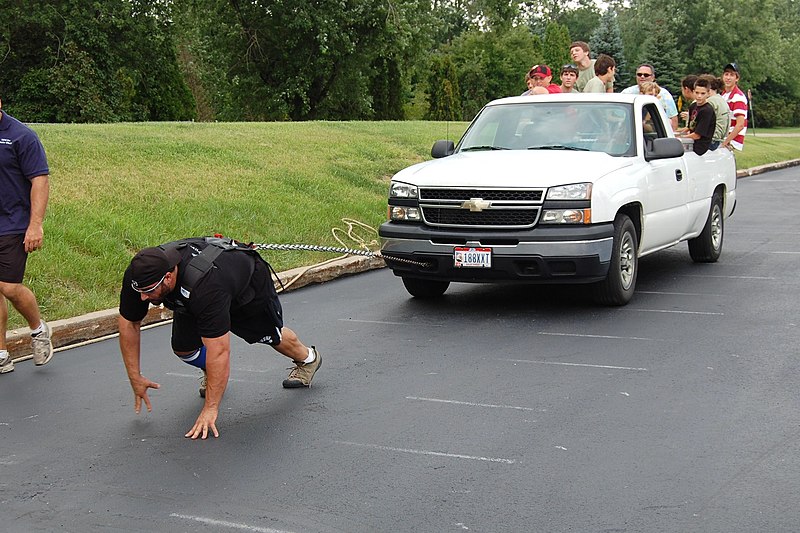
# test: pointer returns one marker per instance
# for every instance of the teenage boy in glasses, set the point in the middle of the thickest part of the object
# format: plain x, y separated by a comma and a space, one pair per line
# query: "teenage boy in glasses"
234, 295
569, 76
645, 73
24, 191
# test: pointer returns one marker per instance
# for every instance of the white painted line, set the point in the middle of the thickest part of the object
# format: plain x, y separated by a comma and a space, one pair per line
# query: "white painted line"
792, 253
680, 293
598, 336
456, 402
576, 364
427, 452
388, 323
768, 278
223, 523
673, 311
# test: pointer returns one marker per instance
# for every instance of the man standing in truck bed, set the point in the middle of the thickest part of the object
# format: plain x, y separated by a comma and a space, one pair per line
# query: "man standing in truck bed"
215, 287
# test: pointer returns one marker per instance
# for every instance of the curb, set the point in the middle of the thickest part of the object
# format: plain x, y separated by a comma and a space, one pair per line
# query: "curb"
766, 168
70, 331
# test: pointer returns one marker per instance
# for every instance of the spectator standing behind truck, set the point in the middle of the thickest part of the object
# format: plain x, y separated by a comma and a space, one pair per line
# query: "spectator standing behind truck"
604, 68
737, 103
721, 110
701, 118
647, 74
579, 51
687, 92
569, 76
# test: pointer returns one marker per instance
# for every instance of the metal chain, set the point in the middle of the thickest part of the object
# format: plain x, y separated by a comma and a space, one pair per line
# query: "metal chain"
337, 250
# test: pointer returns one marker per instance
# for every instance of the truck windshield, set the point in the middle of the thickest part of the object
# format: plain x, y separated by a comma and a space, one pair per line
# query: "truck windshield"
590, 126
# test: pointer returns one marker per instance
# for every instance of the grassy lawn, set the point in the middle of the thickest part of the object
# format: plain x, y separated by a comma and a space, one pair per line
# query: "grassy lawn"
760, 150
116, 188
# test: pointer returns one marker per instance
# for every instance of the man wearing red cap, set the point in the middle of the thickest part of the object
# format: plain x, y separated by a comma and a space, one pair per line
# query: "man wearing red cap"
214, 287
542, 76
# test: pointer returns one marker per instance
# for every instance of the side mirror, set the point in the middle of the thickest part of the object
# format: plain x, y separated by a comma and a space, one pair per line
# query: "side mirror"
442, 149
664, 149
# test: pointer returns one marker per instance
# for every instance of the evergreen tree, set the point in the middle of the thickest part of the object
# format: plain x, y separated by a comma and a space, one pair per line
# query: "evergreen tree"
555, 47
607, 39
660, 50
444, 97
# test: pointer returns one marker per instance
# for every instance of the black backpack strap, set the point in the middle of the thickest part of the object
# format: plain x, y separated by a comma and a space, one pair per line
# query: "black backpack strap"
198, 267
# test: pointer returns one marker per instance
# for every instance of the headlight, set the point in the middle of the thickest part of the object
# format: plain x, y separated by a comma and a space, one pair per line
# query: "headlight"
567, 216
576, 191
398, 212
402, 190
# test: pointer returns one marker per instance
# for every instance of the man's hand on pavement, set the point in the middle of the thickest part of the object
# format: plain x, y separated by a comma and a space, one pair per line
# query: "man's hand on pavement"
207, 419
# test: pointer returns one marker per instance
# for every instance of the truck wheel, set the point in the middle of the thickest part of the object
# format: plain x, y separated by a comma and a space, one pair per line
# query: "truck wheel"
620, 283
425, 288
707, 247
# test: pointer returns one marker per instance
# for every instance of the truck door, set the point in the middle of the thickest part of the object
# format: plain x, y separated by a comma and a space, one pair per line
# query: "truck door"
666, 194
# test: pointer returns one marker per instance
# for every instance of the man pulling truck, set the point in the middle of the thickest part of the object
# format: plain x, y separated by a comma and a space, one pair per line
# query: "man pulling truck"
214, 287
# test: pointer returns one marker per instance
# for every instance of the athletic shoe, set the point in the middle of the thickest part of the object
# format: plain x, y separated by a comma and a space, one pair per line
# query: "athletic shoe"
42, 346
302, 374
6, 363
203, 384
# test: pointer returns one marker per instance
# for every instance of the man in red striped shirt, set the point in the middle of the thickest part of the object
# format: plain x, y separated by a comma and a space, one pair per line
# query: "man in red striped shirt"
737, 103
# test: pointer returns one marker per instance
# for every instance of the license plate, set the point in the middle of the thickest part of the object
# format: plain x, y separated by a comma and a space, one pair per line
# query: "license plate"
464, 257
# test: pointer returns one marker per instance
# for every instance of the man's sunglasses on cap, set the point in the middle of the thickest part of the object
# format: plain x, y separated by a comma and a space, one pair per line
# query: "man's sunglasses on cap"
135, 286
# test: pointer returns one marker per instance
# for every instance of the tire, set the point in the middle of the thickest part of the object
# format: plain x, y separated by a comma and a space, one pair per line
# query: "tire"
620, 283
425, 288
707, 247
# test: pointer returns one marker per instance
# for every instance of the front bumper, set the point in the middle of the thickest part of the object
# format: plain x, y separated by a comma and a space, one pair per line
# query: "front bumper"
554, 254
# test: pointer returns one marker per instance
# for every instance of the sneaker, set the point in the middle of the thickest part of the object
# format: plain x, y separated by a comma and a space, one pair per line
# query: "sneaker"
302, 374
203, 384
42, 346
6, 363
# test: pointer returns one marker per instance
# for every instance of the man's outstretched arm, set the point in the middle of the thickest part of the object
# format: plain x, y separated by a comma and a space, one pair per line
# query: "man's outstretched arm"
129, 345
218, 370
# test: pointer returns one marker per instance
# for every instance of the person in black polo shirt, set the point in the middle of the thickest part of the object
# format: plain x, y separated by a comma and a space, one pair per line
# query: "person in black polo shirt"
24, 191
233, 293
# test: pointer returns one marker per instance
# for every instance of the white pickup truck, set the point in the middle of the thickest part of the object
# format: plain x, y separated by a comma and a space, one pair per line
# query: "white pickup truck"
563, 188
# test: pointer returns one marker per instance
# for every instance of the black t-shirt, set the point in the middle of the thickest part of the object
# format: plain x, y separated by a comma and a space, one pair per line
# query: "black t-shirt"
236, 278
702, 121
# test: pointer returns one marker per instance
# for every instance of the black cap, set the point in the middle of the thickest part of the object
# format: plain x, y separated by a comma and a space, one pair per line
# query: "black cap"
150, 265
731, 66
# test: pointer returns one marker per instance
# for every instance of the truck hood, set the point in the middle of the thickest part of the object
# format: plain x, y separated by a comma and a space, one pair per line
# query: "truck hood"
512, 168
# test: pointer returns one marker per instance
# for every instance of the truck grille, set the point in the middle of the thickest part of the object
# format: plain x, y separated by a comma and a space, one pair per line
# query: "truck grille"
481, 208
508, 195
509, 218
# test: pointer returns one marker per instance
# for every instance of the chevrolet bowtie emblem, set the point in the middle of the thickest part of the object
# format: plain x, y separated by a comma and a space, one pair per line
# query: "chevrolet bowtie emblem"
476, 204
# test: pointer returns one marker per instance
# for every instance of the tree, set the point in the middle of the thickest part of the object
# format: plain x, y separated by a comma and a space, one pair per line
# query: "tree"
444, 98
493, 64
661, 50
607, 39
555, 46
91, 62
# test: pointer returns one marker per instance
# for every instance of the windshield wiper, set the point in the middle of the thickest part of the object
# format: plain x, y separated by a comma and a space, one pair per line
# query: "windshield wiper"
558, 147
477, 148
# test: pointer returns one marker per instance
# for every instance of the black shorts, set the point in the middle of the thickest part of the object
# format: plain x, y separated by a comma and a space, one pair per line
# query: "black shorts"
259, 321
12, 258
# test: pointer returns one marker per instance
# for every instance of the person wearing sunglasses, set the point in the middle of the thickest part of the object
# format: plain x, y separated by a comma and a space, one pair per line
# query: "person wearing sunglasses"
569, 76
230, 291
24, 191
646, 73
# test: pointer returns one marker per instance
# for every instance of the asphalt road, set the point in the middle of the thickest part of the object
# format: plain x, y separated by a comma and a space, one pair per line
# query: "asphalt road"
495, 409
